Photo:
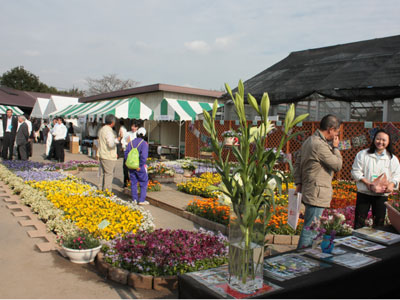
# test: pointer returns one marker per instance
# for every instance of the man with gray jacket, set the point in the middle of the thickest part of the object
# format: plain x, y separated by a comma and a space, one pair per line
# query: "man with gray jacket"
314, 167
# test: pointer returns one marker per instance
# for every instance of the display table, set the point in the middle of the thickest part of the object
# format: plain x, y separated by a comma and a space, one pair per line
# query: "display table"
378, 280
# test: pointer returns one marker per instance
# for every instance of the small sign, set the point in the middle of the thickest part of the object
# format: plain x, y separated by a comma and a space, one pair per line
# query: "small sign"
254, 122
221, 122
367, 124
278, 123
165, 118
299, 124
257, 118
103, 224
237, 122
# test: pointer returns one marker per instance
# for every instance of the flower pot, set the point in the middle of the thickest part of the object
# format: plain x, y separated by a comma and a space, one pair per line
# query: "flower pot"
246, 247
394, 216
187, 173
327, 244
229, 140
82, 256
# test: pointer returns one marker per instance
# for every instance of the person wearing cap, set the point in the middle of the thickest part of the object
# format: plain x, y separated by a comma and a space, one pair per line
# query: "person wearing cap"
129, 136
140, 174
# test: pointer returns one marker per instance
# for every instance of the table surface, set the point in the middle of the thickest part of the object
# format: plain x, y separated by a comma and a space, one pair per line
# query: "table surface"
378, 280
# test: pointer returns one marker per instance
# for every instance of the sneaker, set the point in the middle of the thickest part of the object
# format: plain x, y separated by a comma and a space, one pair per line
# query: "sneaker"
144, 203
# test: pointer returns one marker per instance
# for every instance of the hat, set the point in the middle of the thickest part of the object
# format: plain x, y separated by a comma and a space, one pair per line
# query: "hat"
141, 131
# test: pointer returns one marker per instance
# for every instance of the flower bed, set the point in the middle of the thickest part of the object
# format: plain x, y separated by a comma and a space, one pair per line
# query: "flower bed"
198, 186
209, 208
68, 204
167, 252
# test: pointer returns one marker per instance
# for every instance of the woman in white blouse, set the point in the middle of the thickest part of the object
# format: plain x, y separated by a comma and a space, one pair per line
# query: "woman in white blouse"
368, 165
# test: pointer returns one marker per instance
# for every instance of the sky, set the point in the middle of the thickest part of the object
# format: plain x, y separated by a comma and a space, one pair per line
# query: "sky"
194, 43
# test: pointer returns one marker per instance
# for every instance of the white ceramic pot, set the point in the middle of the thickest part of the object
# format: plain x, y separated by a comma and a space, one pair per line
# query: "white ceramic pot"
81, 256
187, 173
228, 141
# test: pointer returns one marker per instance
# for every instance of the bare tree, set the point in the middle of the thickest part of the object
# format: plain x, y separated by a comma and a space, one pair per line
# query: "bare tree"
108, 83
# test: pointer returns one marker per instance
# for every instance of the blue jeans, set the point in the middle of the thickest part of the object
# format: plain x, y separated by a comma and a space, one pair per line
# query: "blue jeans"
306, 237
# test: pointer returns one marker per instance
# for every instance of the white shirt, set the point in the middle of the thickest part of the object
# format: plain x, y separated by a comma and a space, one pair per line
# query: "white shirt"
29, 123
92, 130
9, 124
1, 131
60, 132
130, 136
370, 165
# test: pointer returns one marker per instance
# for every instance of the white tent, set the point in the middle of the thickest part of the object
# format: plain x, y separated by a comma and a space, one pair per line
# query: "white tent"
39, 108
58, 103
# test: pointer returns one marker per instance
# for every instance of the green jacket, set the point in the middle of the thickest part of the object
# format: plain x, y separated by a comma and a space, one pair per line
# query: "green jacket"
314, 167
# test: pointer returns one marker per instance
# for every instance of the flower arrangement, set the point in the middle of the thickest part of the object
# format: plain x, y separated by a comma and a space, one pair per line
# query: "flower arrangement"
167, 252
160, 169
333, 224
187, 165
228, 133
79, 240
206, 149
199, 186
209, 208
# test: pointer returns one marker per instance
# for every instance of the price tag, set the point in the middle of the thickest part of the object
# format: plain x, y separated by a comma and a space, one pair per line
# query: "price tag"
367, 124
103, 224
221, 122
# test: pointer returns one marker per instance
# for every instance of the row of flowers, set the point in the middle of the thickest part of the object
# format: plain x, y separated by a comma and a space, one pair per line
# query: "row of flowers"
67, 204
28, 165
198, 186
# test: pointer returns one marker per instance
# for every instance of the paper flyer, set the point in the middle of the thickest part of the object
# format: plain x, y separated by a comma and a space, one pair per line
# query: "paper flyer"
359, 244
293, 208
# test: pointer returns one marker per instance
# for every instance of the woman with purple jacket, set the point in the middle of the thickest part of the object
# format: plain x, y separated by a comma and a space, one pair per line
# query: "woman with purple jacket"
140, 174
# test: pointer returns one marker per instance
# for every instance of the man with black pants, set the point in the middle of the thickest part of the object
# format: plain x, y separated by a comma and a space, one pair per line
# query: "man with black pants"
10, 125
22, 139
60, 133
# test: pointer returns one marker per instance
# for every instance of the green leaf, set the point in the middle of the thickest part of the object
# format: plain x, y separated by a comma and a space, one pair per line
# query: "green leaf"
289, 118
215, 107
299, 119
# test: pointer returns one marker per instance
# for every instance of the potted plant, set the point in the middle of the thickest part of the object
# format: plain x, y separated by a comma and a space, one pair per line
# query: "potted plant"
80, 247
229, 137
328, 227
206, 151
160, 172
393, 208
188, 168
246, 183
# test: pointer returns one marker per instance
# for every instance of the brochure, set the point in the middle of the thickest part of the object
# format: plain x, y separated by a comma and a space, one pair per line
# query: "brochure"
217, 280
379, 236
354, 260
294, 204
358, 243
288, 266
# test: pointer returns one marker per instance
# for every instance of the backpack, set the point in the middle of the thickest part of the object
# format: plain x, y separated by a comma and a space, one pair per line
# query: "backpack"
132, 160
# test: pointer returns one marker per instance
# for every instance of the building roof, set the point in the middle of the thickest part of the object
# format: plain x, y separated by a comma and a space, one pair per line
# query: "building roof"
360, 71
151, 89
19, 98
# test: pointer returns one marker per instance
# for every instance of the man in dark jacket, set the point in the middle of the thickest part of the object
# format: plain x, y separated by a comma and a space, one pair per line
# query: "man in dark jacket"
22, 138
10, 124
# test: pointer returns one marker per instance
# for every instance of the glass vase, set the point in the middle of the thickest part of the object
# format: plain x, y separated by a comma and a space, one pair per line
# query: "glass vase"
327, 244
246, 247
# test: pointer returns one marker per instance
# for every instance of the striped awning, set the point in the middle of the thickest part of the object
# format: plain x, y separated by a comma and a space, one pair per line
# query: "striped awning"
180, 110
76, 110
16, 110
130, 108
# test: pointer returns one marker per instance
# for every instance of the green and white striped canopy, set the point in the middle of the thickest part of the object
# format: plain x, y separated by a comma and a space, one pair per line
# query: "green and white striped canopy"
16, 110
130, 108
180, 110
76, 110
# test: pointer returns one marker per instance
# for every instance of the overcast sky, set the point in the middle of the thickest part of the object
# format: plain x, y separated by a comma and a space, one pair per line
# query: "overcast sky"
196, 43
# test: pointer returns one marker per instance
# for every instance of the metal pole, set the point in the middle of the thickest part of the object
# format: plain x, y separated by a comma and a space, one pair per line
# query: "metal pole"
179, 140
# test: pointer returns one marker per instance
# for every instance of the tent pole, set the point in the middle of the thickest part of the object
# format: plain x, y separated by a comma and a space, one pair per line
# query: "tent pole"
179, 140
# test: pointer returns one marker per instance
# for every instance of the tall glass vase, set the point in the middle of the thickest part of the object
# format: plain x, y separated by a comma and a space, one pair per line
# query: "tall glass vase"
246, 247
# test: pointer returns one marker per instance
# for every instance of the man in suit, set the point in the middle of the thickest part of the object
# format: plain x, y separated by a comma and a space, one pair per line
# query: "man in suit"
22, 138
10, 124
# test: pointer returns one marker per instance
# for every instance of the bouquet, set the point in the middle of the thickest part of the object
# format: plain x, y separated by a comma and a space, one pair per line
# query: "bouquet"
80, 240
334, 224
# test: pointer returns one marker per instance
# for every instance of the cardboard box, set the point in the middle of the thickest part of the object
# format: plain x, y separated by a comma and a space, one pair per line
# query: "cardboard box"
74, 147
74, 139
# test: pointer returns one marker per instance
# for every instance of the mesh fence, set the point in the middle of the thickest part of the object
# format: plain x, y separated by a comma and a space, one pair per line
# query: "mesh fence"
355, 134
